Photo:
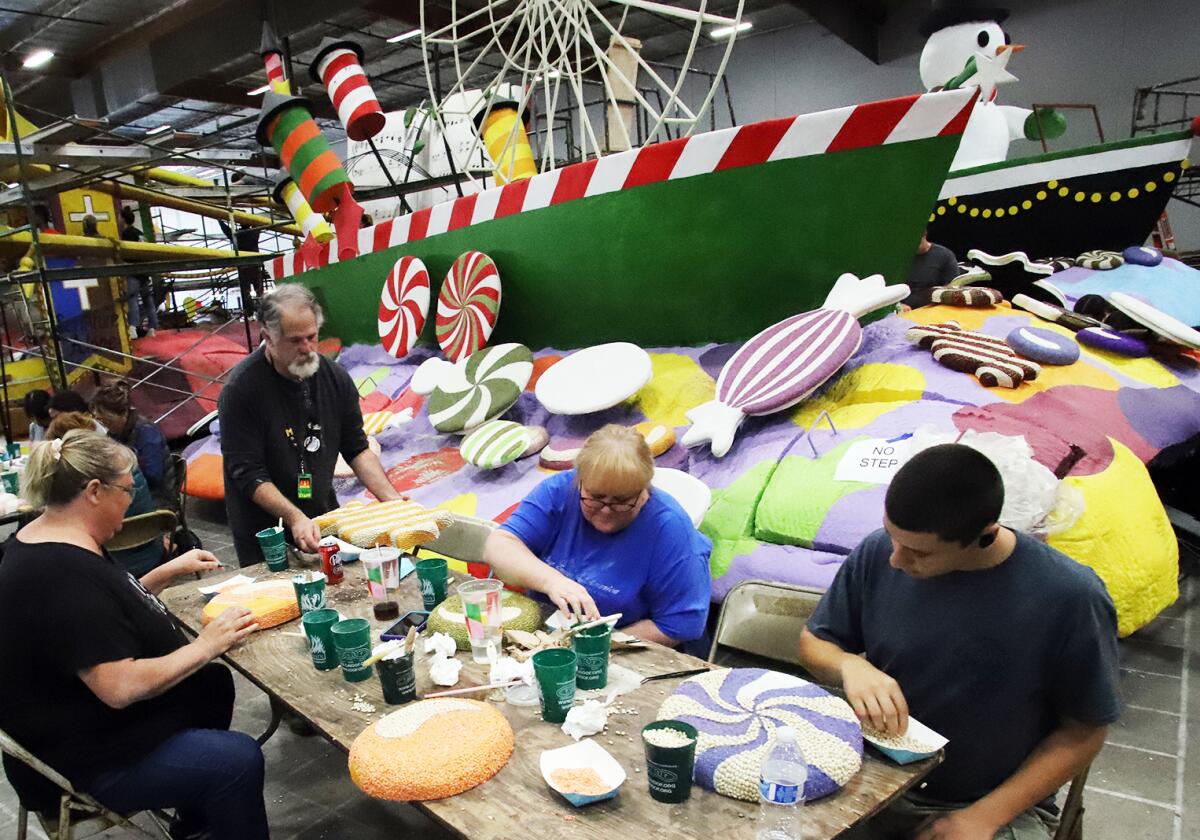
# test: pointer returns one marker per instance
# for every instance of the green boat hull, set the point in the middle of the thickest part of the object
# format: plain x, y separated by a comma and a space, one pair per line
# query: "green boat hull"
713, 257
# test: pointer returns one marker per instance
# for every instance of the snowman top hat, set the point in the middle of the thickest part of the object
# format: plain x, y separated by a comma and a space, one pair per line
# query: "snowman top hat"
951, 13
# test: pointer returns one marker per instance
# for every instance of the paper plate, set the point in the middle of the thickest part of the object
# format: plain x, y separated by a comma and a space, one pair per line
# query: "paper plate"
1172, 329
594, 378
586, 754
919, 742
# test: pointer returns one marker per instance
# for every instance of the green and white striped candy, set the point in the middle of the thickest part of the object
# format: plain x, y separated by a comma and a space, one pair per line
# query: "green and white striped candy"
494, 379
495, 444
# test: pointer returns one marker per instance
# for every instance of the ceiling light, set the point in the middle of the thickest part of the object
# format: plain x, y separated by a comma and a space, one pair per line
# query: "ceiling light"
404, 36
258, 90
158, 130
725, 31
37, 58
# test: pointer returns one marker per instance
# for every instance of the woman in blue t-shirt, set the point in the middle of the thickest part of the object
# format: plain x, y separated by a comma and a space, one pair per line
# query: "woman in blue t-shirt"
599, 540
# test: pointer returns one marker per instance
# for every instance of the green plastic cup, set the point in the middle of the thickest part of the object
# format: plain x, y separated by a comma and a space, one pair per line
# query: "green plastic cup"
274, 549
14, 450
433, 575
318, 626
12, 481
352, 638
669, 769
555, 670
591, 646
310, 591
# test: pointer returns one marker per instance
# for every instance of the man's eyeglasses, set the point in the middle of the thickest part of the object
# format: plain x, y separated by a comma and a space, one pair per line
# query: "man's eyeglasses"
618, 505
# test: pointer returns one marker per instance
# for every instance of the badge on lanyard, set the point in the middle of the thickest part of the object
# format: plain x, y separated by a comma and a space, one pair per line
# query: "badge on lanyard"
304, 486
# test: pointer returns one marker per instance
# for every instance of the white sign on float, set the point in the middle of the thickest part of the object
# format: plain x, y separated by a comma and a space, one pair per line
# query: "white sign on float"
874, 461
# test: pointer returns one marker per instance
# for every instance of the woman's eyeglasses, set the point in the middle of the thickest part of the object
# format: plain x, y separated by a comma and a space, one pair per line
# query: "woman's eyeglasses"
618, 505
130, 489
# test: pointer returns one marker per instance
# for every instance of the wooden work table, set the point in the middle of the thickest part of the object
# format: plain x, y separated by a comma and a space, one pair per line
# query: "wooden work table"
517, 803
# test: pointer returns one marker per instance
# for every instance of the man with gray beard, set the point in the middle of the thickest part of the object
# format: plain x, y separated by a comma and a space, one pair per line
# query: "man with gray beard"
286, 414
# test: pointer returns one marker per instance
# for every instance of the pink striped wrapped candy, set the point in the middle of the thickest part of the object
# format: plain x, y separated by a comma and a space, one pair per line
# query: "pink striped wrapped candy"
468, 305
787, 361
403, 306
338, 66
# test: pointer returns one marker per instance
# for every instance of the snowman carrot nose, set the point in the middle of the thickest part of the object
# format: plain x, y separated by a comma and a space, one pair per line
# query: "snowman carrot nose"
1013, 47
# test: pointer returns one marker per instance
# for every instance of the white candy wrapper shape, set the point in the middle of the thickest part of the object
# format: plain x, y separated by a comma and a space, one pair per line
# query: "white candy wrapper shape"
786, 362
586, 755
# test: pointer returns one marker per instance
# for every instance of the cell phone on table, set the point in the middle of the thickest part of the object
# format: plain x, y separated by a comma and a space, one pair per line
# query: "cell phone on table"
399, 630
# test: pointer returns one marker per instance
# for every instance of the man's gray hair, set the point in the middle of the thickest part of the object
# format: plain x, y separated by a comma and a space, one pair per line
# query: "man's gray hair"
288, 296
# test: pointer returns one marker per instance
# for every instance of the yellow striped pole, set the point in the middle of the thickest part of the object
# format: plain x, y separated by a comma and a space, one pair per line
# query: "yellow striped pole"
311, 223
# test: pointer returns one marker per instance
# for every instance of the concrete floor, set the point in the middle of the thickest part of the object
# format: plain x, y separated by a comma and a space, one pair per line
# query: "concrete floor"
1136, 790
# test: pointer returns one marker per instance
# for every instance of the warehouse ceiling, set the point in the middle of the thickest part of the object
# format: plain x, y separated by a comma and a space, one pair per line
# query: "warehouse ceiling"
193, 64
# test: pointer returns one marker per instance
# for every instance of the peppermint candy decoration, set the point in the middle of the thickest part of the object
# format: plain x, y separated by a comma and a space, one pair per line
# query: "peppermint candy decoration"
736, 712
468, 305
403, 305
491, 382
496, 443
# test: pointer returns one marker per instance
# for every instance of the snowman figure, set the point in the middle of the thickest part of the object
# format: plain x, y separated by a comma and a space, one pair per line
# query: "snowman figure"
966, 46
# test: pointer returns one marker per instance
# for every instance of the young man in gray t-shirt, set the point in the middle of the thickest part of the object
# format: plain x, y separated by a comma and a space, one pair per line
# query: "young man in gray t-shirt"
1000, 643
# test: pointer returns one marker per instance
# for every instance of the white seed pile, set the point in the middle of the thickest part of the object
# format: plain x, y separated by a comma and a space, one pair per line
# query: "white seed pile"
900, 742
667, 737
404, 722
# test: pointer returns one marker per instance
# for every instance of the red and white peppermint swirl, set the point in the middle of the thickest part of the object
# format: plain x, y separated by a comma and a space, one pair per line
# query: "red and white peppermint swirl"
403, 306
468, 305
351, 94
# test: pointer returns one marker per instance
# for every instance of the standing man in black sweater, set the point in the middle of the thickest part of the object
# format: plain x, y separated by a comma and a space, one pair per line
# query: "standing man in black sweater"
286, 414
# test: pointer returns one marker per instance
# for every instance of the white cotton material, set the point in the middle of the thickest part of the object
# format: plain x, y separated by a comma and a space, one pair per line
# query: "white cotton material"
507, 669
1035, 502
444, 670
585, 720
440, 644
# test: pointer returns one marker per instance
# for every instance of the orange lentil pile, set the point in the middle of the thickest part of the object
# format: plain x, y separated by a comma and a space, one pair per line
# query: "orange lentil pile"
582, 780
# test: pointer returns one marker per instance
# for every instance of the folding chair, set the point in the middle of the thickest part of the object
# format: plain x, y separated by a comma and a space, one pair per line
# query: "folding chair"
765, 619
137, 531
1070, 822
79, 815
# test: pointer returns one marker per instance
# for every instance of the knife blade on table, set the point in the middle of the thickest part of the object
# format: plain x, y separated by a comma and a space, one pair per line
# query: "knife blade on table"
691, 673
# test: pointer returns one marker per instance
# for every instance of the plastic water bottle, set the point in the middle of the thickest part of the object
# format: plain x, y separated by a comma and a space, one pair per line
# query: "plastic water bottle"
781, 789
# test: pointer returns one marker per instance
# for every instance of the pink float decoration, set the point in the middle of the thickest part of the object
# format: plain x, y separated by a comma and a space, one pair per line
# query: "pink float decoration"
468, 305
786, 362
338, 66
403, 306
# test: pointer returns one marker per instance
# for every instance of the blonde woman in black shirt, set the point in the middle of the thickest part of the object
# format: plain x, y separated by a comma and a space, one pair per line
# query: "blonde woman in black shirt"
96, 678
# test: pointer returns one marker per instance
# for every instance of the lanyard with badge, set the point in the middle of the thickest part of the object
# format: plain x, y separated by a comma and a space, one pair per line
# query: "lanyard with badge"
311, 443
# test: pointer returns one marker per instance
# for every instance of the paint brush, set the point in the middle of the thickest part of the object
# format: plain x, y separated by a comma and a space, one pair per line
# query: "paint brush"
608, 619
410, 641
473, 688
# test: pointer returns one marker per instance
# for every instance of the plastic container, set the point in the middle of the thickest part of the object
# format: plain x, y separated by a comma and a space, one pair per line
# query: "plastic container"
781, 789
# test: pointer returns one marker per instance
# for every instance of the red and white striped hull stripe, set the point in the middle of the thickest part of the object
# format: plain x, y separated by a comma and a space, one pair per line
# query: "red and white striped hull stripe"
875, 123
348, 87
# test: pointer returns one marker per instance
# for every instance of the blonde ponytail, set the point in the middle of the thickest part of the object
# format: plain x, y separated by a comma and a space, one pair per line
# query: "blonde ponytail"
58, 470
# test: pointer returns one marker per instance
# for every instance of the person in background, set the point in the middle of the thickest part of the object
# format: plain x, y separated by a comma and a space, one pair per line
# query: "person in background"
113, 695
90, 226
991, 638
366, 221
67, 401
37, 409
249, 276
286, 414
934, 265
598, 540
139, 291
42, 220
137, 561
112, 407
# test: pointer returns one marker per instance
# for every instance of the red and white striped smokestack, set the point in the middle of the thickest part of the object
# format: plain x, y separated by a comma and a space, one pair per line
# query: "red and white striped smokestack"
338, 66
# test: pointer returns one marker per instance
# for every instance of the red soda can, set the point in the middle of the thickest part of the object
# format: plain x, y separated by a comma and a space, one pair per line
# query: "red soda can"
331, 560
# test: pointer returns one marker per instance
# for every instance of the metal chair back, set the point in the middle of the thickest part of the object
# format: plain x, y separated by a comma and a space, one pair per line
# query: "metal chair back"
765, 619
